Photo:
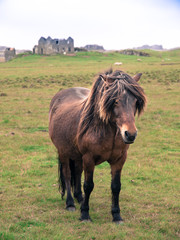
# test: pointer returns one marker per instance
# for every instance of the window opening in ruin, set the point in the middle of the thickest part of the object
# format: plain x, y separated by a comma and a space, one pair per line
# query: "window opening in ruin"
56, 42
41, 51
69, 49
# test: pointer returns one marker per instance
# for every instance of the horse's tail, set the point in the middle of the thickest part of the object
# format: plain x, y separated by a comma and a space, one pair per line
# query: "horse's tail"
61, 179
73, 173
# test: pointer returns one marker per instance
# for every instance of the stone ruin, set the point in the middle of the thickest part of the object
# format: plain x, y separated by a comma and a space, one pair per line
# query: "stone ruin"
51, 46
133, 52
94, 47
7, 54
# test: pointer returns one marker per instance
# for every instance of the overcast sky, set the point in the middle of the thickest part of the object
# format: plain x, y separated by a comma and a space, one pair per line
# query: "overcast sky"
115, 24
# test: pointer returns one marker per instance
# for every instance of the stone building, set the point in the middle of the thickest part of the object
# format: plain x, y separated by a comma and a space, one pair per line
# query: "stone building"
7, 54
94, 47
133, 52
51, 46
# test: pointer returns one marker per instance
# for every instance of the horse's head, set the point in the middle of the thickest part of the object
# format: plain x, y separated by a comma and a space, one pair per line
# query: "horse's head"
124, 116
121, 100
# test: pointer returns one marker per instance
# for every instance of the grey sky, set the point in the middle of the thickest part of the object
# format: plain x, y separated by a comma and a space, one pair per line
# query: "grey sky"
115, 24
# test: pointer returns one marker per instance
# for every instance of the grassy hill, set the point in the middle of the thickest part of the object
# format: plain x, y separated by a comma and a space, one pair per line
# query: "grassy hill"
30, 67
30, 204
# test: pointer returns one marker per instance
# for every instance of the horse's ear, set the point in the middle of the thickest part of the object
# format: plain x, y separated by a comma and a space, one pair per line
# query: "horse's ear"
137, 77
103, 77
107, 79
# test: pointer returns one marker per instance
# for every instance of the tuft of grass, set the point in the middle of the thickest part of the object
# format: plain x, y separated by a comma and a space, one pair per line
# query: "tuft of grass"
6, 236
33, 148
37, 129
21, 225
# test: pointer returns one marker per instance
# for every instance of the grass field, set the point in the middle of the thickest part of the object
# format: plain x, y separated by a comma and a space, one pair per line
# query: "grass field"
30, 204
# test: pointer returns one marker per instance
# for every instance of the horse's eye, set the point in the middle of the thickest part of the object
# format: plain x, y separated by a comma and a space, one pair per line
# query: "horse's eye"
116, 102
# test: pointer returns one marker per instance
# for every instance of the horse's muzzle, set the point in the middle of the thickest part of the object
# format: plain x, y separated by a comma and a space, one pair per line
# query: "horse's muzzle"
129, 138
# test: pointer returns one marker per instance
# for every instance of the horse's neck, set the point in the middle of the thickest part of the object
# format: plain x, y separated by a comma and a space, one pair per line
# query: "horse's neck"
101, 128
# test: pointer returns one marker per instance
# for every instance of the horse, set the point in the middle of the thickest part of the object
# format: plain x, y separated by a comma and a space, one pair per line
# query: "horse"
89, 127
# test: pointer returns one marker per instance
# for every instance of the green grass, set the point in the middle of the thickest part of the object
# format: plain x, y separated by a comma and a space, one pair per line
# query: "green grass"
30, 204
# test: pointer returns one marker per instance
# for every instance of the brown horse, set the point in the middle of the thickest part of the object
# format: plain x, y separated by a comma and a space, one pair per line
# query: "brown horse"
89, 127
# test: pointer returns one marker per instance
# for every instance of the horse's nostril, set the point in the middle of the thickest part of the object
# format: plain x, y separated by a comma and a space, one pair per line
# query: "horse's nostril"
130, 137
126, 134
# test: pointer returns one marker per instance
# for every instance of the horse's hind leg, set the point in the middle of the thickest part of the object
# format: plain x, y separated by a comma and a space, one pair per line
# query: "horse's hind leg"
88, 186
67, 177
77, 185
62, 185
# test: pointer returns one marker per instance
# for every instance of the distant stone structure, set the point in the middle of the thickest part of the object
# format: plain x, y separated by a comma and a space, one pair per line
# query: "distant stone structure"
94, 47
133, 52
153, 47
7, 54
51, 46
80, 49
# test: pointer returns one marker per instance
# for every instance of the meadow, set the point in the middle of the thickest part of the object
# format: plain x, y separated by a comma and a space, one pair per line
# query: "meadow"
30, 204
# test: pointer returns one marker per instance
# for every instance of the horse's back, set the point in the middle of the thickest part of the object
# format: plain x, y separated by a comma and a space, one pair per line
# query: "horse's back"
70, 95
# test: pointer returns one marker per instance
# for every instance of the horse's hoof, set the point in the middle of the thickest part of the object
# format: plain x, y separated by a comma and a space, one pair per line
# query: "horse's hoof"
85, 220
71, 209
119, 222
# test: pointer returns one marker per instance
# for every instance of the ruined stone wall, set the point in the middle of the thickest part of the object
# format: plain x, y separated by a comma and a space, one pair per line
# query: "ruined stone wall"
51, 46
2, 58
134, 52
94, 47
7, 54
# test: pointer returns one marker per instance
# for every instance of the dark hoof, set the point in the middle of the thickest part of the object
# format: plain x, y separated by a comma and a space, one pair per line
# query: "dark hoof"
119, 222
85, 220
88, 219
117, 218
85, 217
71, 209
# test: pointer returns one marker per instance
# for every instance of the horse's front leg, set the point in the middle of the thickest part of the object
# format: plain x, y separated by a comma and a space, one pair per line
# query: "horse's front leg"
116, 188
88, 164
